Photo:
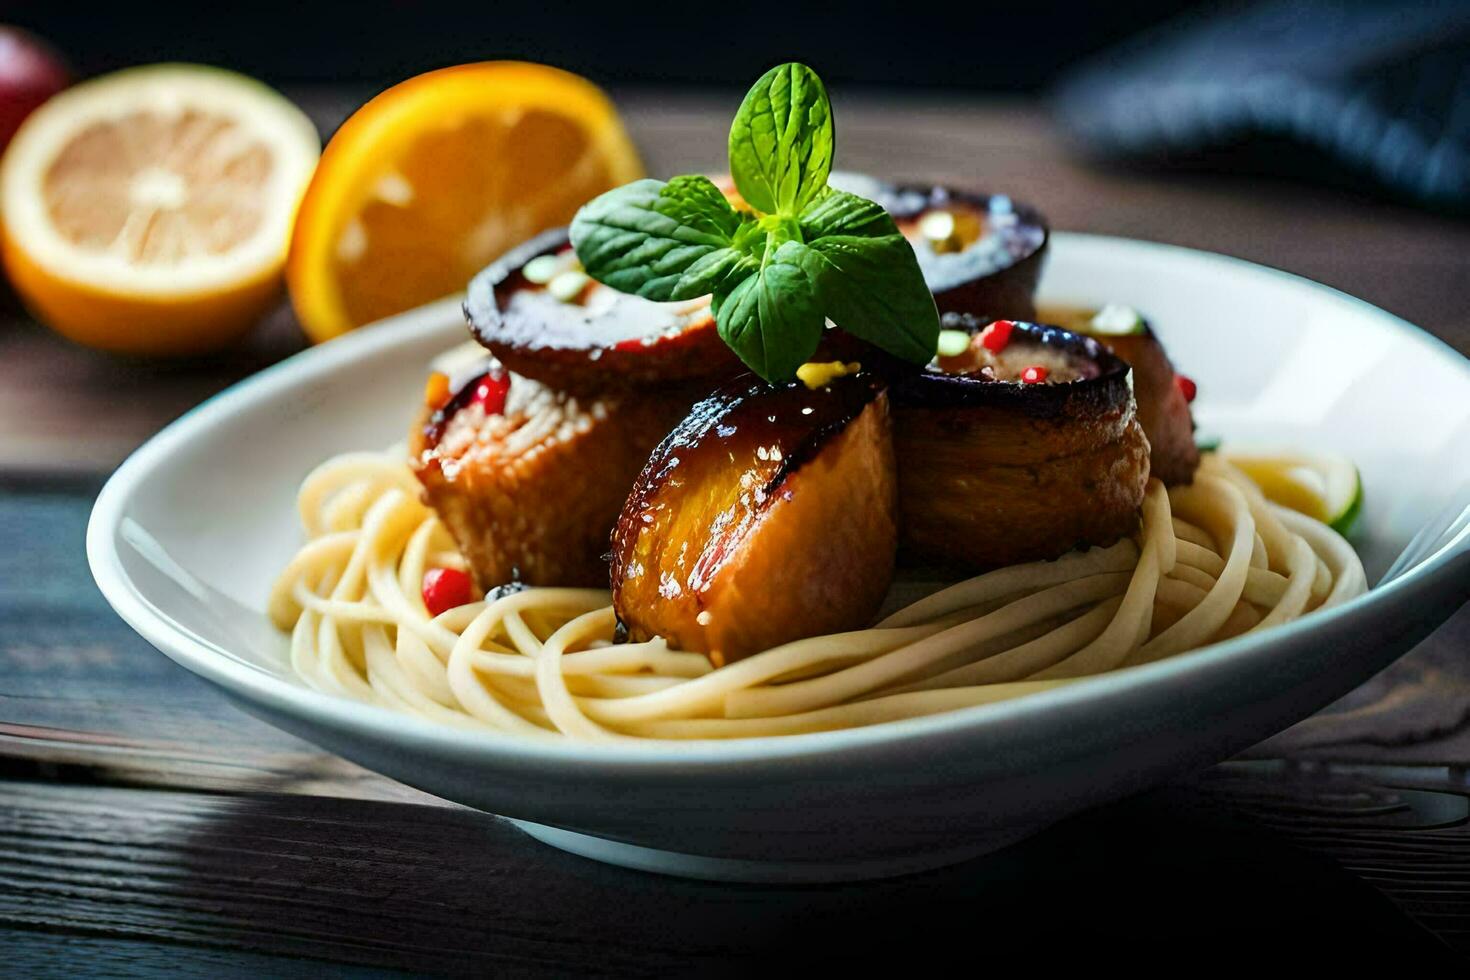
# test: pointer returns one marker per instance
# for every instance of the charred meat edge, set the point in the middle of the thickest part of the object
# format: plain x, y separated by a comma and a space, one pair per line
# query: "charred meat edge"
695, 353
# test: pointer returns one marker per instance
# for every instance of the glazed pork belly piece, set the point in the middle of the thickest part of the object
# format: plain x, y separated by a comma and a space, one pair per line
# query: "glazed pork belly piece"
527, 479
1163, 394
544, 318
1020, 445
767, 515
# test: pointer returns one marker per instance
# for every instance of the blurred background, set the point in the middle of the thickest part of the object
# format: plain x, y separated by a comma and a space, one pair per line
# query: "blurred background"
1370, 94
1008, 47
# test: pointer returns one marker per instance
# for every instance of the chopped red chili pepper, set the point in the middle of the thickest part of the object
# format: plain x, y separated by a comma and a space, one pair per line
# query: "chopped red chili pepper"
1187, 387
445, 588
631, 344
1034, 375
491, 392
995, 337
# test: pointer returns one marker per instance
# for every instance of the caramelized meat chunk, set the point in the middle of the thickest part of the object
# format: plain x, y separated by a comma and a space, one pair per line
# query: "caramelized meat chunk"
994, 469
529, 480
768, 515
1163, 405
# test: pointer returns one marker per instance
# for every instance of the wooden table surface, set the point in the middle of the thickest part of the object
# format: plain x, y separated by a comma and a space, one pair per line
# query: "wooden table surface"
146, 824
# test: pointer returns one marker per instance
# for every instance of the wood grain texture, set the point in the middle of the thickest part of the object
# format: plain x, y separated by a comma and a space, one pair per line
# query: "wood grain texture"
450, 890
1403, 830
39, 955
84, 696
146, 821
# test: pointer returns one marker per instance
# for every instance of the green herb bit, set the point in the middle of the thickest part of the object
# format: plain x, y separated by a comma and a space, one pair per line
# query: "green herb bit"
953, 343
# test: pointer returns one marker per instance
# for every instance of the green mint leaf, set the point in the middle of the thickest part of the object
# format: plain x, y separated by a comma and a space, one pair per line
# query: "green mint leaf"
696, 202
750, 237
873, 289
643, 237
868, 278
720, 270
714, 272
781, 142
773, 319
841, 213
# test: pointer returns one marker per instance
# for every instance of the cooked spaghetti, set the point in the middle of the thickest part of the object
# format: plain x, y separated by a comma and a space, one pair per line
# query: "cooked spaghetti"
1210, 561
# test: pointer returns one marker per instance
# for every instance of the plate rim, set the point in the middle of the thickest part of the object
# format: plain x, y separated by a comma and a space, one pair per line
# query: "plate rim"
283, 696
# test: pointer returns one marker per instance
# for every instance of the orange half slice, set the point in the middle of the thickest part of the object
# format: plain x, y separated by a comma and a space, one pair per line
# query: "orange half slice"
437, 176
149, 211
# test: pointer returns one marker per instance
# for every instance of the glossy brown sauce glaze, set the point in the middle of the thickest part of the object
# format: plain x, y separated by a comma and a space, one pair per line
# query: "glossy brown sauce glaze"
577, 334
721, 545
776, 427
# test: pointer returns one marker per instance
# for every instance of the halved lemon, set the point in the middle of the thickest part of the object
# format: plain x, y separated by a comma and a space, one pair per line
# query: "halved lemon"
1320, 485
149, 211
437, 176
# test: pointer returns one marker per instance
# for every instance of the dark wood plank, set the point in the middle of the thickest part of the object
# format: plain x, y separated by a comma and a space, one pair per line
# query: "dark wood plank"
441, 889
66, 410
40, 955
1417, 711
82, 696
1410, 841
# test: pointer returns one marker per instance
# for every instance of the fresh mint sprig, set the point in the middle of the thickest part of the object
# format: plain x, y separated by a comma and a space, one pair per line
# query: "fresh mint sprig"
803, 254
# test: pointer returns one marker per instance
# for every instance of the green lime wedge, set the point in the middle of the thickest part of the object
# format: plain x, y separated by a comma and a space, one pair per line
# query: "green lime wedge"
1344, 519
1321, 485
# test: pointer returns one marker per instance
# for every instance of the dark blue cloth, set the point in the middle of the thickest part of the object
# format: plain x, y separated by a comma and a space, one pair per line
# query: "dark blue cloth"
1370, 92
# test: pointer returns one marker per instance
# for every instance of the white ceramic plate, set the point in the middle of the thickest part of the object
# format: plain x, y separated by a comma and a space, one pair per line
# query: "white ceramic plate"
188, 534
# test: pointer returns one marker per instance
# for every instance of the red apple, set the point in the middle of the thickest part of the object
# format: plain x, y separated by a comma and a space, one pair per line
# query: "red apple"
30, 73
